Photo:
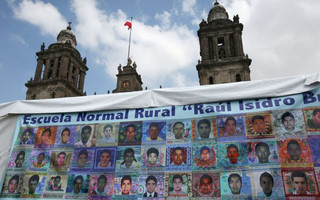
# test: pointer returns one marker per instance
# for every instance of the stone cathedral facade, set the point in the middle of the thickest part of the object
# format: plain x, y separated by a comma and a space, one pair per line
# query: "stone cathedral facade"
61, 70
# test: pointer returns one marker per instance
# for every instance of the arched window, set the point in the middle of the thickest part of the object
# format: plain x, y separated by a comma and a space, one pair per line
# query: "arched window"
238, 78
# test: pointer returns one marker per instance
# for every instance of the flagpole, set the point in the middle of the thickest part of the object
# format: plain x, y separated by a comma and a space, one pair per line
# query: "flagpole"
129, 40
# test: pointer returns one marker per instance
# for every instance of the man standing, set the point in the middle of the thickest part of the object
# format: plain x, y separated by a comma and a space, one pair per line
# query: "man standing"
151, 184
300, 183
204, 128
263, 152
235, 183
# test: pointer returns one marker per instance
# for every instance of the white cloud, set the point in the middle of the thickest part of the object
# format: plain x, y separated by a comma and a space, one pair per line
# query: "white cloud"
158, 51
188, 6
43, 15
164, 18
19, 39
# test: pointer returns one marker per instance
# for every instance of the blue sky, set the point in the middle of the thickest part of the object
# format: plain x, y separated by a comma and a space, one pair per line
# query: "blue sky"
281, 38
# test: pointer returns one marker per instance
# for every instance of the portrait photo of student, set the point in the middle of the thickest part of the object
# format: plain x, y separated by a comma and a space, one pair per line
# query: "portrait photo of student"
231, 127
82, 159
105, 158
153, 156
45, 137
262, 152
206, 185
178, 184
65, 136
39, 160
179, 157
288, 123
204, 129
78, 185
27, 136
56, 183
128, 158
259, 125
85, 136
19, 158
204, 156
12, 185
294, 150
101, 185
60, 160
312, 118
125, 185
235, 184
130, 133
178, 131
33, 185
300, 181
154, 132
107, 134
232, 154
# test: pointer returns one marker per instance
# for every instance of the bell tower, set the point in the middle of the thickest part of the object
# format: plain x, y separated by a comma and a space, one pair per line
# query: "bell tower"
60, 70
221, 50
128, 79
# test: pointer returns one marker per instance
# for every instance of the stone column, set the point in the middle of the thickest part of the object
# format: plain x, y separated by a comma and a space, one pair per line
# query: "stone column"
46, 69
37, 76
81, 83
55, 68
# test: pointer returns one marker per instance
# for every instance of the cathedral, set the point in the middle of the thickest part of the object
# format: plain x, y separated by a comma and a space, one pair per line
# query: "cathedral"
61, 71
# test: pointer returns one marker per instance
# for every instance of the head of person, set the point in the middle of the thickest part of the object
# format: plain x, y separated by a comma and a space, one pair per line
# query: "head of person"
258, 123
26, 135
177, 183
204, 128
65, 135
20, 159
40, 158
128, 157
263, 152
126, 184
45, 136
152, 155
316, 117
178, 130
61, 159
205, 153
235, 183
151, 183
294, 150
56, 181
233, 153
13, 184
102, 182
77, 184
178, 155
288, 121
130, 132
153, 131
230, 126
266, 183
85, 134
300, 182
107, 131
33, 183
82, 158
105, 156
206, 184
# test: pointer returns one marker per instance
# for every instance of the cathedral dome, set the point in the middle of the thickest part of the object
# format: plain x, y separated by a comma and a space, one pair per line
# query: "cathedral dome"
66, 36
217, 12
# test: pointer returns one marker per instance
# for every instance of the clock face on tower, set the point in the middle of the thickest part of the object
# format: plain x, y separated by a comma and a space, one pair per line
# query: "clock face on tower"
126, 84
